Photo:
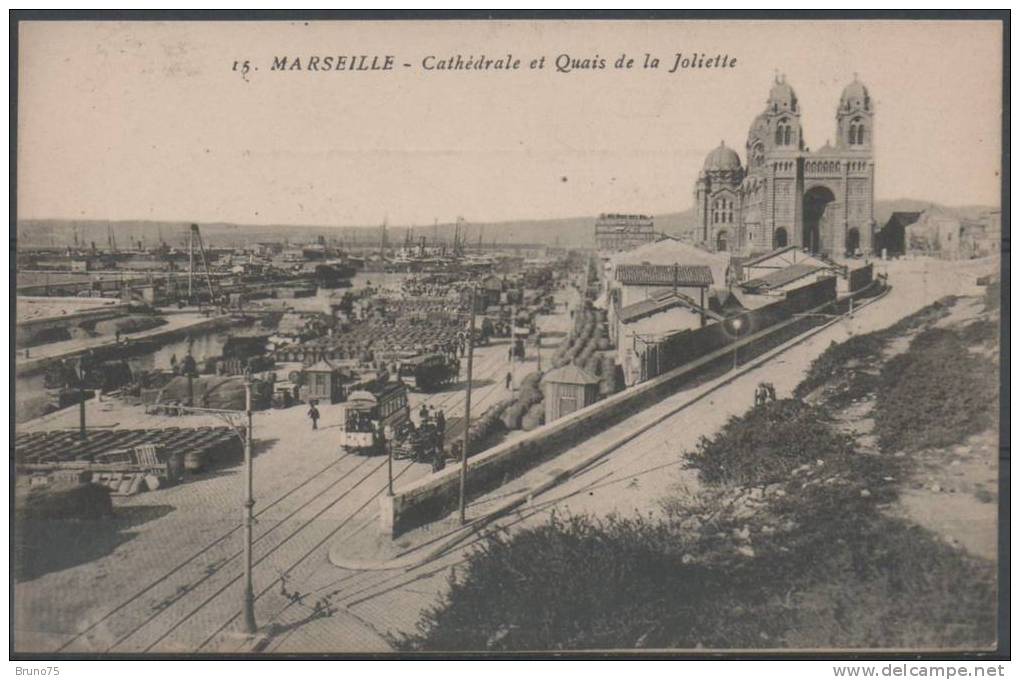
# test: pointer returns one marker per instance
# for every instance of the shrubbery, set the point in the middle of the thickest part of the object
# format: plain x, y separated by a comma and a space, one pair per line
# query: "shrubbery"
935, 394
844, 366
807, 562
763, 446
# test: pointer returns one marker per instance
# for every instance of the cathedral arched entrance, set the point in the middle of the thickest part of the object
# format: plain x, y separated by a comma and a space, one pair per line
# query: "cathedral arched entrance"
817, 201
853, 240
779, 238
721, 241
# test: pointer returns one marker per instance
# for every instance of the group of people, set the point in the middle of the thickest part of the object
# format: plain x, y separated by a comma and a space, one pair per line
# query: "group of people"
765, 392
433, 418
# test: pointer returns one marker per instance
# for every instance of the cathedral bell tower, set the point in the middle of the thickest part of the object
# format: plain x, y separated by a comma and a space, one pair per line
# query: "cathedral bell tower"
782, 113
855, 119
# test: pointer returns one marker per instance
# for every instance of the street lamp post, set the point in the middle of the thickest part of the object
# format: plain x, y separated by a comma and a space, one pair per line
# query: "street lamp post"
737, 325
467, 413
249, 520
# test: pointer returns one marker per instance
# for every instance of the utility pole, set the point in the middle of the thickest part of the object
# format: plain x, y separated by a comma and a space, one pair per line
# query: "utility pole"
467, 411
538, 348
388, 443
81, 400
249, 520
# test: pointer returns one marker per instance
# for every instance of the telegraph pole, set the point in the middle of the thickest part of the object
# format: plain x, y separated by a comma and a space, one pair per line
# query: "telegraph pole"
467, 412
81, 400
389, 464
538, 349
249, 520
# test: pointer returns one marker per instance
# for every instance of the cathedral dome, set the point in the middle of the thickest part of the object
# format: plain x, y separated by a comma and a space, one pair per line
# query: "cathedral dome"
855, 95
722, 157
781, 96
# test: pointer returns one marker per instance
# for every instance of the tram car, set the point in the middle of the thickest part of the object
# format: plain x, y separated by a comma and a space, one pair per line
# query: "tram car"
368, 415
428, 372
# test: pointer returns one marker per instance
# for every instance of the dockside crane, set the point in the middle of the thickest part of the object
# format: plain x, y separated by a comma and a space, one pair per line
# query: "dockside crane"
193, 235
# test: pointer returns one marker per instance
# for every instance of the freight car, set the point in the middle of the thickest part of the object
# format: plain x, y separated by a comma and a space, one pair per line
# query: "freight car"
428, 372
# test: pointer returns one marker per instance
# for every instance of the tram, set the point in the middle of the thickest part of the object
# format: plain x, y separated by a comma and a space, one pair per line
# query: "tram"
370, 416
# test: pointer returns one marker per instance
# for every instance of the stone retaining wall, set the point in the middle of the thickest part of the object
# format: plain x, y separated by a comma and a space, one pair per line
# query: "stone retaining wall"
436, 495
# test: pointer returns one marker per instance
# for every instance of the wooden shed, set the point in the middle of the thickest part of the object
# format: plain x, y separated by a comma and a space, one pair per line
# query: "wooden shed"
568, 389
323, 381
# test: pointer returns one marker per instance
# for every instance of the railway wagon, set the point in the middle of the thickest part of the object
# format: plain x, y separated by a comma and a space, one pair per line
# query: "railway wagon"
428, 372
368, 415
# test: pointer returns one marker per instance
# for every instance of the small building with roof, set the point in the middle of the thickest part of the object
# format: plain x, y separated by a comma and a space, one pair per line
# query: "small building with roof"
891, 239
568, 389
780, 281
937, 232
323, 381
651, 318
776, 260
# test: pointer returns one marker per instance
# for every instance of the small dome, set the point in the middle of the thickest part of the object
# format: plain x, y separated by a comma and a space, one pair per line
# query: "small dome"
781, 96
722, 157
855, 95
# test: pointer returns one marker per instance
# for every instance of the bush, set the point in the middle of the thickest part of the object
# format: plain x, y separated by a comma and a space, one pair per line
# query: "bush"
844, 576
937, 393
839, 361
778, 551
767, 443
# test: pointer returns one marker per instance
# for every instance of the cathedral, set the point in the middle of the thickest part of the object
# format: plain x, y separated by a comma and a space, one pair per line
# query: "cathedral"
821, 200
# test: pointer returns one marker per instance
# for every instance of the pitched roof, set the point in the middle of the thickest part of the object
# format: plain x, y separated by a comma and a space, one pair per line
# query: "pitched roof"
669, 252
661, 303
782, 277
903, 219
571, 374
321, 366
772, 253
664, 275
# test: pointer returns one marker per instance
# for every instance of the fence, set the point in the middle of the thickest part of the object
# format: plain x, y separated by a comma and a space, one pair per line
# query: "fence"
681, 348
861, 278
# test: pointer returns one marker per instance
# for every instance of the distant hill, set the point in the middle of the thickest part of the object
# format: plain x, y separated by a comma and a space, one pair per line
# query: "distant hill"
571, 231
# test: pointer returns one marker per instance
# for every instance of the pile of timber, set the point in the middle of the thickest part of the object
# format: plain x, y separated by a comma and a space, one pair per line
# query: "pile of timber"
123, 459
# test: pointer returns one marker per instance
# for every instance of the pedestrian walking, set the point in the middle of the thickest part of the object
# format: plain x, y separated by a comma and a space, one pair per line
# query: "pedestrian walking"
423, 413
438, 456
509, 379
313, 413
771, 391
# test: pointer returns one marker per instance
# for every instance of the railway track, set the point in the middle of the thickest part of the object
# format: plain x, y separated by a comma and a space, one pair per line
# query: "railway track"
191, 559
218, 575
170, 612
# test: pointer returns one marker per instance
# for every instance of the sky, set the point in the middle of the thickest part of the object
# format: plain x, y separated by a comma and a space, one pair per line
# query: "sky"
149, 121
